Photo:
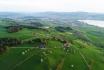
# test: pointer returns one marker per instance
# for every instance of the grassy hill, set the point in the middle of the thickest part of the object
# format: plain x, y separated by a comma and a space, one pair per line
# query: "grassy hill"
43, 48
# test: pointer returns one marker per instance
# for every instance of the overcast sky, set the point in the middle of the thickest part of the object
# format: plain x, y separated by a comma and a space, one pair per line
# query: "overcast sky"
52, 5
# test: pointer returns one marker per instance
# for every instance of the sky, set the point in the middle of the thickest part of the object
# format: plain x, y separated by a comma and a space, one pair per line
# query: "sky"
52, 5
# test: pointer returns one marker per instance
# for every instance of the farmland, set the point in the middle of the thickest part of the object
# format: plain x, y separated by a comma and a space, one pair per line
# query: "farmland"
42, 44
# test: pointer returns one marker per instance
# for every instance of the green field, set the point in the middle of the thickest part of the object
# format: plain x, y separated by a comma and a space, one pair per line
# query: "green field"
81, 54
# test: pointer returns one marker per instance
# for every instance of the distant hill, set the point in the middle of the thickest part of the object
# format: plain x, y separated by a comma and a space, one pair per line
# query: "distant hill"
56, 15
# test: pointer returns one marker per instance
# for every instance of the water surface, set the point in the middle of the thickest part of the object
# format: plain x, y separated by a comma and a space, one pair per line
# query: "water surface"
98, 23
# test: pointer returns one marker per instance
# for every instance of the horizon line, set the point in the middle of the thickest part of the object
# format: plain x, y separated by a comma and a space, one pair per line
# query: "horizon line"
49, 12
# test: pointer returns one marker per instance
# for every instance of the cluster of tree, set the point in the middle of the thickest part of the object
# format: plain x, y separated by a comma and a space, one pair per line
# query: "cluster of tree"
41, 43
32, 41
63, 29
12, 29
3, 49
36, 24
81, 36
9, 42
32, 25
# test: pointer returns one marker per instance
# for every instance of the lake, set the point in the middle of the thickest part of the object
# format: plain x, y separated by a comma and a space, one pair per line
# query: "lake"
98, 23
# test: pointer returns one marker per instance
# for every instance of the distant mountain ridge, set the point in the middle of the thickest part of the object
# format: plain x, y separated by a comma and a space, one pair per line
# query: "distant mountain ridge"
56, 15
